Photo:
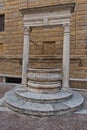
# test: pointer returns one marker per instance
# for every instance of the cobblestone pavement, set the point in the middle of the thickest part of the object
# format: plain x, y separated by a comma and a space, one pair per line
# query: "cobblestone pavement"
10, 120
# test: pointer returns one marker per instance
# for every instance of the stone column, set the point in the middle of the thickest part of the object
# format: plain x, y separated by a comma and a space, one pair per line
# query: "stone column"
25, 55
66, 57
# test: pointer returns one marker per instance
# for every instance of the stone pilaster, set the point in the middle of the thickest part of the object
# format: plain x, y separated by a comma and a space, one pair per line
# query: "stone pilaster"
66, 56
25, 55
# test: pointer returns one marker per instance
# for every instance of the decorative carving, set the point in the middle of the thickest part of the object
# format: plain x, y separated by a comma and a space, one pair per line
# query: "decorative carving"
66, 27
45, 20
27, 30
43, 76
42, 80
47, 17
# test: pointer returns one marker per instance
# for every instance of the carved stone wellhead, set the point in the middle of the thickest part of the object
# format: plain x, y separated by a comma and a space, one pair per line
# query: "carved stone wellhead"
46, 80
44, 94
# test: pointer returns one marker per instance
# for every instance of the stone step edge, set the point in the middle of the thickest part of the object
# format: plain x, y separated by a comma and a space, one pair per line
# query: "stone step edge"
39, 113
44, 98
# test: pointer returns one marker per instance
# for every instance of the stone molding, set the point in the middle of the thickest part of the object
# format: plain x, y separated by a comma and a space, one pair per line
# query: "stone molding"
44, 80
44, 85
48, 16
35, 20
44, 75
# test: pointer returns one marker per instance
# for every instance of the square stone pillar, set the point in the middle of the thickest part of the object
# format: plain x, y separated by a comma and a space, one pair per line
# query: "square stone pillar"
66, 57
25, 55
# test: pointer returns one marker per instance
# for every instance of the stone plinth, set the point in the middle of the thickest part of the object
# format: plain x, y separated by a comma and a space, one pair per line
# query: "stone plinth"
26, 102
43, 95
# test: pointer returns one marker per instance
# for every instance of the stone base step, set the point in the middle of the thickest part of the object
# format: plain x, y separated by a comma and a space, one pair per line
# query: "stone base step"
43, 98
32, 108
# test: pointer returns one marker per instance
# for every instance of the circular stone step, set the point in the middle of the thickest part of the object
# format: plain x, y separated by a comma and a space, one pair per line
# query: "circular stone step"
21, 105
43, 98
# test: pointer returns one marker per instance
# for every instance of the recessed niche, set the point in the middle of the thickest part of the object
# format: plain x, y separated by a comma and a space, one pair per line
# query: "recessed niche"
49, 48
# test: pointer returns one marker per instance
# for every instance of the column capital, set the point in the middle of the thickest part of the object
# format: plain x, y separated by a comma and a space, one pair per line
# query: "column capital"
27, 30
66, 27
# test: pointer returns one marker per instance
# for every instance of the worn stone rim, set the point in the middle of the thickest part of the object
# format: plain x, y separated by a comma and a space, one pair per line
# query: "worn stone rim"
51, 70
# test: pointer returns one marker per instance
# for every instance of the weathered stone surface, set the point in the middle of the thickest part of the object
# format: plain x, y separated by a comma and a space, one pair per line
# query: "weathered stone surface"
43, 98
22, 105
44, 80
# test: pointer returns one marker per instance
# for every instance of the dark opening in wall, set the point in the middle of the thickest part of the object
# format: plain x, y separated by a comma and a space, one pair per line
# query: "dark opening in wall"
2, 22
13, 80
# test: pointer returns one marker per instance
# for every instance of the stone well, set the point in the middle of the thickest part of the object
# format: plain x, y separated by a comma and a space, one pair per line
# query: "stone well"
41, 92
43, 95
44, 80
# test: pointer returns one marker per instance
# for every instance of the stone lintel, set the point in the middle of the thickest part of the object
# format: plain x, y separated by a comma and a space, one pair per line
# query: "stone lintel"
48, 15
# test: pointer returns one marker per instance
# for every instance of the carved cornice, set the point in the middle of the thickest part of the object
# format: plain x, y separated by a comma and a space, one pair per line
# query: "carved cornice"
46, 16
26, 10
47, 19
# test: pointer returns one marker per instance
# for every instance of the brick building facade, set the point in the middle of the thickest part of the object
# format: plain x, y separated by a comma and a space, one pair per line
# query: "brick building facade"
46, 43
